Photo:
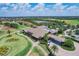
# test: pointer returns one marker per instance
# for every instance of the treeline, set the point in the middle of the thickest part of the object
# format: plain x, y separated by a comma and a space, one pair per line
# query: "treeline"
40, 18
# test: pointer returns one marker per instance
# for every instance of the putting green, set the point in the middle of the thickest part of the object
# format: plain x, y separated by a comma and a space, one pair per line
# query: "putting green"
18, 47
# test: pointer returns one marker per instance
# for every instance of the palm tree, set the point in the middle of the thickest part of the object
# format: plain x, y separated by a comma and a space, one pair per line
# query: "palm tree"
55, 49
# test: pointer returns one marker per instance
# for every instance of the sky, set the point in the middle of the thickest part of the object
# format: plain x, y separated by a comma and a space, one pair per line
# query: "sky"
39, 9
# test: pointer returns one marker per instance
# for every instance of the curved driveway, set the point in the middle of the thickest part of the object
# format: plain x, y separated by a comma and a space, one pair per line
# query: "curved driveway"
62, 52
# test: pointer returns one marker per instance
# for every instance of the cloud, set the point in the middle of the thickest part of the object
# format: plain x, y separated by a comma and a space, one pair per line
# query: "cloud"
73, 8
59, 7
38, 7
16, 6
19, 9
15, 9
72, 11
4, 8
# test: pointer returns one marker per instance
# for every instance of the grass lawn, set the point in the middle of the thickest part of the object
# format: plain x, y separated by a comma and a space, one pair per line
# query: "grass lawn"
4, 29
2, 32
68, 44
72, 22
43, 46
36, 52
23, 27
19, 47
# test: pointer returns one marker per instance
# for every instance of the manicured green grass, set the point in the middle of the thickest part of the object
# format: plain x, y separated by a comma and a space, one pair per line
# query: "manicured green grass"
68, 44
36, 52
44, 47
68, 49
2, 32
72, 22
23, 27
19, 47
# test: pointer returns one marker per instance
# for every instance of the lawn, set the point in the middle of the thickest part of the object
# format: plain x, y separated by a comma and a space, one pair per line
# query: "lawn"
36, 52
68, 44
4, 29
72, 22
19, 46
44, 47
2, 32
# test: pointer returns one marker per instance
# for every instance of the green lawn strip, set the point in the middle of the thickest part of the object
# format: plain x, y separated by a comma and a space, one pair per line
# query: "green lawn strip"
37, 51
68, 49
25, 50
2, 32
22, 26
44, 47
72, 22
